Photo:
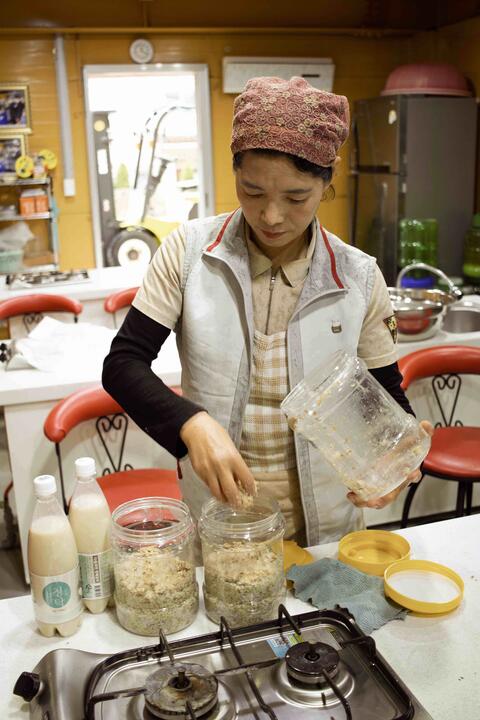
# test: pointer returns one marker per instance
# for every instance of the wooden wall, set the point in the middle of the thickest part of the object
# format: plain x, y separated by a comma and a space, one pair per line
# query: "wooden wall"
362, 66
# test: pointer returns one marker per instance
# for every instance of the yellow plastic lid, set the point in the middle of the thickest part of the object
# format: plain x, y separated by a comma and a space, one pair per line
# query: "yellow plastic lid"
372, 551
423, 586
293, 554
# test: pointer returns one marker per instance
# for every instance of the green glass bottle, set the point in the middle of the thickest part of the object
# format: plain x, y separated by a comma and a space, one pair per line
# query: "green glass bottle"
471, 251
411, 245
431, 241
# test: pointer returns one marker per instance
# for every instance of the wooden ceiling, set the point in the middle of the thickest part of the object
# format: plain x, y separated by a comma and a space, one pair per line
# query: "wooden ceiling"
377, 14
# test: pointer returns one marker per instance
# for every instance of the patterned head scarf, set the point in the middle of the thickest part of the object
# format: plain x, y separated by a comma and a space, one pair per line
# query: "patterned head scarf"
290, 116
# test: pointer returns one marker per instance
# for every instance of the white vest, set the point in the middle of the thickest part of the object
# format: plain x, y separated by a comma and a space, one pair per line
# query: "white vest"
215, 343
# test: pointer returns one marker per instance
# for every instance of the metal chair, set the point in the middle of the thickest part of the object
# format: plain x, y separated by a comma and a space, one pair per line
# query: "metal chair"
33, 307
455, 451
119, 300
119, 480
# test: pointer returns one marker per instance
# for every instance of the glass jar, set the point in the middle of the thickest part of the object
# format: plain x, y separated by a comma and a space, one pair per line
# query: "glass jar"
371, 442
411, 244
154, 570
243, 557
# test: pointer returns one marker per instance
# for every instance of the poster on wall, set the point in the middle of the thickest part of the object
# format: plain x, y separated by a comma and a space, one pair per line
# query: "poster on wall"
11, 147
14, 108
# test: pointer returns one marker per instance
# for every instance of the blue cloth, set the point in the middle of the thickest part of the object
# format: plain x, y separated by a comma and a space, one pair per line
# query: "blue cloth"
329, 582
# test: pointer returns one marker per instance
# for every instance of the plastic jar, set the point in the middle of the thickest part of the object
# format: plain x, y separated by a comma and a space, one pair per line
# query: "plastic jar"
243, 557
371, 442
154, 570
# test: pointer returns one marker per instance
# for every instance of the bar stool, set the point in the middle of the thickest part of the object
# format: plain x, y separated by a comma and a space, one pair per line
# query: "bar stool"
119, 480
455, 451
33, 307
119, 300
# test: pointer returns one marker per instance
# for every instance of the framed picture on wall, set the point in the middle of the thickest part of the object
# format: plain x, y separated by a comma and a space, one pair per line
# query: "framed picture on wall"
14, 108
11, 147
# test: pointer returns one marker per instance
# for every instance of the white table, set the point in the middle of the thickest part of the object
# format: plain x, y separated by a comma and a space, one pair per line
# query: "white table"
27, 396
438, 657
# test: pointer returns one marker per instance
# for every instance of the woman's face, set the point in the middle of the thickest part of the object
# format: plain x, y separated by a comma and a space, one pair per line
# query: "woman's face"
278, 201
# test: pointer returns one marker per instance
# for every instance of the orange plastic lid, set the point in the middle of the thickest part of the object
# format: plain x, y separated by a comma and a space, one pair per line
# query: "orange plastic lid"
423, 586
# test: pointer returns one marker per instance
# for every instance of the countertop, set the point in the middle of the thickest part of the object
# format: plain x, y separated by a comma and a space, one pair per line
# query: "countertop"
438, 657
102, 282
444, 338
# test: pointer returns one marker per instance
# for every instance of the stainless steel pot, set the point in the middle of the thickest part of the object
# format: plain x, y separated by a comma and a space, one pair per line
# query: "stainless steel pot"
420, 313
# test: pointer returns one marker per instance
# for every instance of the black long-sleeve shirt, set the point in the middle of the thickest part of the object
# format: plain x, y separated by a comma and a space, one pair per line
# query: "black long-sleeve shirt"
157, 409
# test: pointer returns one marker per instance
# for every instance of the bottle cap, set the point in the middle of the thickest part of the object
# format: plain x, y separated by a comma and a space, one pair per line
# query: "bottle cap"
44, 485
85, 467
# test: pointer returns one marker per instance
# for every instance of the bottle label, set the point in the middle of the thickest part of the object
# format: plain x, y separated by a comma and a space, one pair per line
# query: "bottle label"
96, 575
56, 598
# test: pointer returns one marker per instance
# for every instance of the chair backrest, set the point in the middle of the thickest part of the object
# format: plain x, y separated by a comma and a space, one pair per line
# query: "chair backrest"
38, 303
121, 299
90, 404
76, 408
439, 360
444, 365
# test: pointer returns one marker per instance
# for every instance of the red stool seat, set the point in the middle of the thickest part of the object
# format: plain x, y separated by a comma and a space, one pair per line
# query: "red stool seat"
119, 487
455, 451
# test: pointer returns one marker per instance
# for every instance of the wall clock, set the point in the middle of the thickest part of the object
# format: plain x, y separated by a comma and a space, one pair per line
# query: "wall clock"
141, 50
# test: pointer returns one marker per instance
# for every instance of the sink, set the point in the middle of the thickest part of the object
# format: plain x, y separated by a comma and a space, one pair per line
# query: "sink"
462, 320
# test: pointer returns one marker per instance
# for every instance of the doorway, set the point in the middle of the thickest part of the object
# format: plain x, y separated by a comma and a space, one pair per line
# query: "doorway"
150, 155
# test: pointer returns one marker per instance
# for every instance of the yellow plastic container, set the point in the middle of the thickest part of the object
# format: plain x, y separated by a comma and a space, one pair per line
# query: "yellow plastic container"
423, 586
293, 554
372, 551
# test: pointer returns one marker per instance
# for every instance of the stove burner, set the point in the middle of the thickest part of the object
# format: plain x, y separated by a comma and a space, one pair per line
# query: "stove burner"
45, 277
170, 689
308, 661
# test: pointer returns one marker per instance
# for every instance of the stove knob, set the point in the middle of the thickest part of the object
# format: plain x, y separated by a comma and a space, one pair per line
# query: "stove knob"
27, 686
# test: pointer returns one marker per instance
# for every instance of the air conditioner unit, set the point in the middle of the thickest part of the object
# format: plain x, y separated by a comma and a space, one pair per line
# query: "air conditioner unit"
318, 72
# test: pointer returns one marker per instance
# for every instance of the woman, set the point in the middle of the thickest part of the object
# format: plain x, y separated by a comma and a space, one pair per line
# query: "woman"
258, 298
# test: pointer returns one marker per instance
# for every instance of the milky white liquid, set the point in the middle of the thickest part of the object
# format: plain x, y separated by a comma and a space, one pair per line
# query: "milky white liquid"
89, 517
52, 552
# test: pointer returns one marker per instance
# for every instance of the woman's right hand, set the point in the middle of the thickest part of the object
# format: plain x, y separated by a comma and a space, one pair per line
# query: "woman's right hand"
216, 460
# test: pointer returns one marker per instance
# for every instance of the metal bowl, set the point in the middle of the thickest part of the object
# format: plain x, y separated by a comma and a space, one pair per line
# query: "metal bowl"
419, 313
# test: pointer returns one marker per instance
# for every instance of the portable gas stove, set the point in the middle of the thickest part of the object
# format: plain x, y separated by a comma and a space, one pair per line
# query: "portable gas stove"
319, 663
45, 278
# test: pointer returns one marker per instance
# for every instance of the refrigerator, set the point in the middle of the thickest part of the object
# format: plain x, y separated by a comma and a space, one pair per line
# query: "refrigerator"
412, 156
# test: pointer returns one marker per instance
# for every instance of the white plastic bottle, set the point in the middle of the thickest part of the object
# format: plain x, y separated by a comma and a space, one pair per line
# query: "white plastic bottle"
53, 564
90, 519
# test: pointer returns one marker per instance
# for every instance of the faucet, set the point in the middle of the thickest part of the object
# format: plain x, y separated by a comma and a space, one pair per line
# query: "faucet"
454, 290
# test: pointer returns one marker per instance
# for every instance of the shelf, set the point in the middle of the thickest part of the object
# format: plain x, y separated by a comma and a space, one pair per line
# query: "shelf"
35, 216
17, 182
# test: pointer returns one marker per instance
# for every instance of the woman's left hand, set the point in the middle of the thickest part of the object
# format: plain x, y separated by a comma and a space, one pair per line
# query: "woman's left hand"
381, 502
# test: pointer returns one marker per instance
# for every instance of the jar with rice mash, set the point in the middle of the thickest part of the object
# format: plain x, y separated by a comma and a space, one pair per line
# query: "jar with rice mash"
154, 569
242, 552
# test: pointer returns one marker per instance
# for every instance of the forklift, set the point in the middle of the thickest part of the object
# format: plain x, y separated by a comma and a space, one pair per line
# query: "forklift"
124, 243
